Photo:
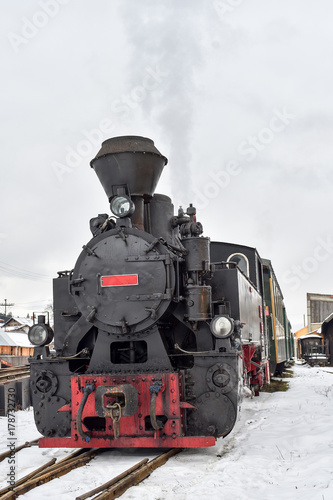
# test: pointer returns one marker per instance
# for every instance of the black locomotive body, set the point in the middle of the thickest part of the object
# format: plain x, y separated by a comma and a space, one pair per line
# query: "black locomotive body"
154, 333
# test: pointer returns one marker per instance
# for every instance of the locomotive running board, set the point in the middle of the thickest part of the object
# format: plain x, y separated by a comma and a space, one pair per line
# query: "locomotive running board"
130, 442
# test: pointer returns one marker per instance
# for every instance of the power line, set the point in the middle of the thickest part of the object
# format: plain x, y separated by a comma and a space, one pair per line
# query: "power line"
22, 273
37, 301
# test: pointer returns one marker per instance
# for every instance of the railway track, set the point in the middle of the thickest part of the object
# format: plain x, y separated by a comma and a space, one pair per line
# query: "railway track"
112, 489
6, 454
47, 472
131, 477
14, 373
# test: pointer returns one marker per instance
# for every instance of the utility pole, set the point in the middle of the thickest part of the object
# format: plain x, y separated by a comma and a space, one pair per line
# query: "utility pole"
5, 305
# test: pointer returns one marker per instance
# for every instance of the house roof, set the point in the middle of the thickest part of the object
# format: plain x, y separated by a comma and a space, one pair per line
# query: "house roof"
310, 336
328, 319
21, 321
14, 339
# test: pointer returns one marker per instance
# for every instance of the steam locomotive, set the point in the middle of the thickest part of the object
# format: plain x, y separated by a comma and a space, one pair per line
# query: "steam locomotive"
155, 329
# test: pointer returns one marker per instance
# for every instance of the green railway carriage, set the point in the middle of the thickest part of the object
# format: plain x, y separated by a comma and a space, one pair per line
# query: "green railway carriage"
280, 337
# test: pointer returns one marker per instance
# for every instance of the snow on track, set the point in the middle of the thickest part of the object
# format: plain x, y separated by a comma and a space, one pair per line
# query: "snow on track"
281, 447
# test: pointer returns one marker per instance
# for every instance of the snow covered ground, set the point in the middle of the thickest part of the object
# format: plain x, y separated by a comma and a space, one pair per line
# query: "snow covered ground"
281, 447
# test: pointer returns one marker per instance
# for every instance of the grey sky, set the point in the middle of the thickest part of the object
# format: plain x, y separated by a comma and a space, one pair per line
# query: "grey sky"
237, 94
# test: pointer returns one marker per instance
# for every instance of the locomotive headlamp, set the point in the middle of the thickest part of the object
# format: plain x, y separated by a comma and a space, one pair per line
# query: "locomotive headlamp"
222, 326
40, 334
122, 206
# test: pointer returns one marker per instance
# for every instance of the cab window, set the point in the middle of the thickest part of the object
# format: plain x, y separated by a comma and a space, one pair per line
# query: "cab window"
242, 262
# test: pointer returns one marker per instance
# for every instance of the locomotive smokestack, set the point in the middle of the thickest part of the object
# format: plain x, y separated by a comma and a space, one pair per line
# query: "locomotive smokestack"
129, 162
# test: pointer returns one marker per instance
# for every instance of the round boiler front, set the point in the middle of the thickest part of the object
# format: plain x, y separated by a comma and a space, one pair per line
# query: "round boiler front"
120, 287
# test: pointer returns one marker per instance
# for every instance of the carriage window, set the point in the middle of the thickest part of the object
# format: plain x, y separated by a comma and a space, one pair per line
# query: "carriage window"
242, 262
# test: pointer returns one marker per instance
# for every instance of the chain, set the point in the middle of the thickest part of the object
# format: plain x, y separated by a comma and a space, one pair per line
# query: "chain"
116, 416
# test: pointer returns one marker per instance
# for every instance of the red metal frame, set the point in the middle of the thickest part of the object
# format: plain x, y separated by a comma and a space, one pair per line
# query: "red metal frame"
258, 370
133, 431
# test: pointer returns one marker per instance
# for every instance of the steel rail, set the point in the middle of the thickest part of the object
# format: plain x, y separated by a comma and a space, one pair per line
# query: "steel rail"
50, 471
7, 453
131, 477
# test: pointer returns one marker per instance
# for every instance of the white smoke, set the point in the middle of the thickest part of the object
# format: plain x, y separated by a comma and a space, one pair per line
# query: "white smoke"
169, 35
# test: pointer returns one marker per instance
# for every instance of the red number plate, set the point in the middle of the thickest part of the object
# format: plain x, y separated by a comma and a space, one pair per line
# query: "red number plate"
120, 280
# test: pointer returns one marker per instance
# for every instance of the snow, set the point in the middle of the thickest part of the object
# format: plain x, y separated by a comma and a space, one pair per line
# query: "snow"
281, 447
15, 339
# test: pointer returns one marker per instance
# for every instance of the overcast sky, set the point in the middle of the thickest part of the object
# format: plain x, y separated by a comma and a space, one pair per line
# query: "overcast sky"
237, 94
